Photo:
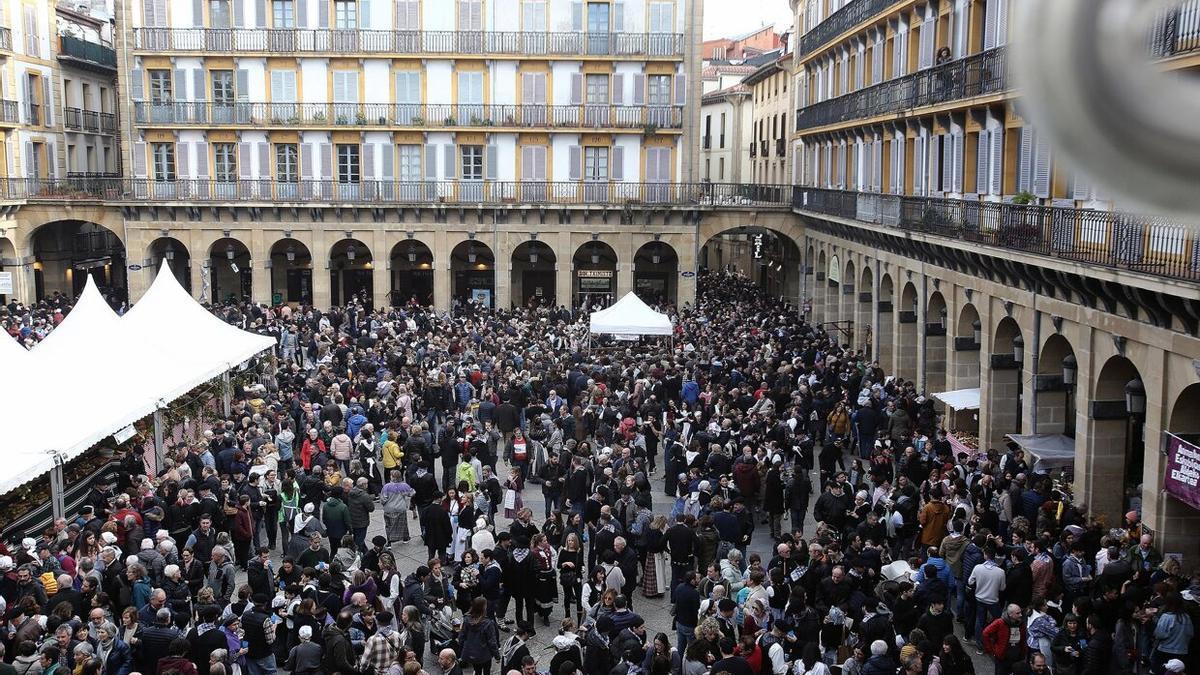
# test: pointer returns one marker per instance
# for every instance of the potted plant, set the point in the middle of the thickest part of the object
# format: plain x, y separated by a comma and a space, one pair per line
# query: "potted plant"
475, 121
360, 119
650, 129
449, 121
383, 120
417, 121
1024, 197
509, 121
319, 117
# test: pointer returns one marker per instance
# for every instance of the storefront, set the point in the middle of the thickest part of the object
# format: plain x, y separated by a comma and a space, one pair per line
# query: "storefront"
594, 287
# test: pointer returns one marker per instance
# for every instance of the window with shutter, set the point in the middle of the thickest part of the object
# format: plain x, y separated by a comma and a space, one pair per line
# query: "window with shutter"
983, 163
958, 169
345, 96
1025, 165
408, 96
1041, 167
990, 12
919, 166
900, 165
997, 159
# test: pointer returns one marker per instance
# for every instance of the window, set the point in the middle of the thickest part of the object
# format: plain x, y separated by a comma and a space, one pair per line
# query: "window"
662, 17
160, 86
222, 87
283, 14
287, 159
163, 155
225, 162
410, 163
595, 163
348, 167
597, 89
598, 26
470, 15
218, 14
345, 96
722, 131
345, 14
659, 89
708, 169
283, 95
721, 168
533, 15
472, 161
408, 95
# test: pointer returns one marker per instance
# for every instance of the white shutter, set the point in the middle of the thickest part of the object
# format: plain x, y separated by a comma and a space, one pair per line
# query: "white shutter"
957, 177
991, 9
368, 161
574, 162
982, 163
491, 162
1025, 169
934, 156
877, 58
618, 89
925, 44
449, 161
1041, 167
997, 138
577, 15
898, 174
860, 66
919, 166
947, 143
616, 170
877, 168
1002, 22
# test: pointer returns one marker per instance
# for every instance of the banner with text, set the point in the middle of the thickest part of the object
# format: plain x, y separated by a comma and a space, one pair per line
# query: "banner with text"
1182, 478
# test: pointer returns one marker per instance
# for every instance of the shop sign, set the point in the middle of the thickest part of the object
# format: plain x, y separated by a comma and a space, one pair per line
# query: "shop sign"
1182, 475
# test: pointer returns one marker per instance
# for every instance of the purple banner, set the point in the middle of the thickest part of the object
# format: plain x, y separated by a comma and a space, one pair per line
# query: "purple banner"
1182, 479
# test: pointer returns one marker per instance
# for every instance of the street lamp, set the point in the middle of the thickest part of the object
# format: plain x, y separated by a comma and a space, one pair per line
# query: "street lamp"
943, 318
351, 253
977, 327
229, 251
169, 254
291, 254
412, 254
1018, 345
595, 256
533, 257
471, 253
1135, 397
1070, 369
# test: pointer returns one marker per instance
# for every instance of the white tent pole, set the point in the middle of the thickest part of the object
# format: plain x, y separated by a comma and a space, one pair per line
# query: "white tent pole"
158, 438
57, 506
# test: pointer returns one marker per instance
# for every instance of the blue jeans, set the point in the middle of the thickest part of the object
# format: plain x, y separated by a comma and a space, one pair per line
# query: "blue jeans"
263, 666
552, 502
684, 636
985, 612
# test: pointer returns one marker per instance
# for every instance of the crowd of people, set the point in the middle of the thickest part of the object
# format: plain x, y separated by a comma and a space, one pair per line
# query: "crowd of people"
248, 552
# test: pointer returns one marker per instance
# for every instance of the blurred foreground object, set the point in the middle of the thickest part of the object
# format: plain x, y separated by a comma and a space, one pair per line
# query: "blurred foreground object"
1089, 79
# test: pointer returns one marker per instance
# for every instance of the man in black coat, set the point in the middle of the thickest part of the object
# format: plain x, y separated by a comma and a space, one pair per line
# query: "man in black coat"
156, 641
438, 531
687, 609
339, 656
681, 544
206, 637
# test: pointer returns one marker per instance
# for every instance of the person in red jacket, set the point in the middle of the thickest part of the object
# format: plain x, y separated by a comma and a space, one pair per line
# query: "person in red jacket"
1004, 639
311, 447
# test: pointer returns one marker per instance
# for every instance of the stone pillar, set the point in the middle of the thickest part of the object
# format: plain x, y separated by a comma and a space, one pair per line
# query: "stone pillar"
260, 270
819, 294
322, 293
935, 359
864, 323
442, 275
503, 276
885, 329
381, 282
624, 249
907, 354
685, 284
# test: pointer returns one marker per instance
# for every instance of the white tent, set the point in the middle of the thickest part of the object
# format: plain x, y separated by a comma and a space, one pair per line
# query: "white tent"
1049, 451
10, 351
630, 316
97, 373
960, 399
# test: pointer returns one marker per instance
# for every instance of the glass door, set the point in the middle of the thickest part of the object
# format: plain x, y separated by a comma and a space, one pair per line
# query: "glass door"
598, 28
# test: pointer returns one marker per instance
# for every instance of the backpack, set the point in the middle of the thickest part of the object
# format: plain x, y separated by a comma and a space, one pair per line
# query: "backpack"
49, 583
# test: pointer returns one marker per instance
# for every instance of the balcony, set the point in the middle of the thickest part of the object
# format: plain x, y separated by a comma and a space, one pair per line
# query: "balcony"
5, 39
275, 41
397, 193
1144, 244
845, 18
1176, 31
9, 112
975, 75
423, 116
86, 54
75, 119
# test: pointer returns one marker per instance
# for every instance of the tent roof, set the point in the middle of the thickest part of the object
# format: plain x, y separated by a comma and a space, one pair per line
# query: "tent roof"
1051, 451
960, 399
98, 373
631, 316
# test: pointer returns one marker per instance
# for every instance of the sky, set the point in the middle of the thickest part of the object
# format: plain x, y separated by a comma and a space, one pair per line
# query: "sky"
727, 18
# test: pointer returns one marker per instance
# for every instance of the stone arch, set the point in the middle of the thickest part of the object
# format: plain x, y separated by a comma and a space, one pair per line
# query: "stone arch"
595, 279
886, 324
533, 275
1003, 396
864, 313
291, 272
66, 252
351, 272
411, 269
174, 253
821, 287
968, 333
229, 272
1117, 453
656, 273
935, 321
473, 273
846, 301
1055, 382
777, 271
907, 345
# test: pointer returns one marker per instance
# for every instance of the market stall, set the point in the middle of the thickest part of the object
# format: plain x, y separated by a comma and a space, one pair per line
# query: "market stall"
630, 319
962, 419
1049, 452
97, 374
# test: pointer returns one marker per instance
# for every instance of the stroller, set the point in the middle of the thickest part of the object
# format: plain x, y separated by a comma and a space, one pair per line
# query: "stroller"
444, 626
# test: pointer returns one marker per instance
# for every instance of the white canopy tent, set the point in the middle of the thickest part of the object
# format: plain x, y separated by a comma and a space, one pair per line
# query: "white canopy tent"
97, 373
630, 316
960, 399
1049, 451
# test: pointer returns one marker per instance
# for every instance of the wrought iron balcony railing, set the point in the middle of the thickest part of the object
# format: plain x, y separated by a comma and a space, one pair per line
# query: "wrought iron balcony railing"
82, 50
1177, 30
419, 115
76, 119
385, 42
975, 75
1145, 244
394, 192
845, 18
